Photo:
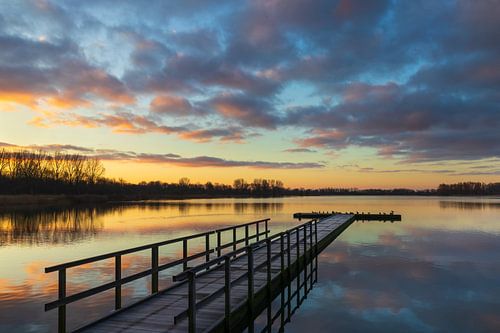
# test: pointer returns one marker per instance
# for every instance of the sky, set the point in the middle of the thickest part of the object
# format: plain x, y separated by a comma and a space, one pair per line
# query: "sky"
345, 93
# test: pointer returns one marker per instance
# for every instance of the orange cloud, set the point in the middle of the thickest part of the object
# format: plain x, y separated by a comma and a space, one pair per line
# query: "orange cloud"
166, 104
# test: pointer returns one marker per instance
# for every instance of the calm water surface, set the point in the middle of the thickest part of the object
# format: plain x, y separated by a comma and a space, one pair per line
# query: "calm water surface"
436, 271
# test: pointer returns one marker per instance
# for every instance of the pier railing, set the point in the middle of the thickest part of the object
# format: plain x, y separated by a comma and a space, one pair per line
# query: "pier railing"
252, 230
309, 231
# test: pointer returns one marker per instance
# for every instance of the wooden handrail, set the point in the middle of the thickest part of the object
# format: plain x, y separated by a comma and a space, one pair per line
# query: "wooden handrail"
226, 260
122, 252
64, 300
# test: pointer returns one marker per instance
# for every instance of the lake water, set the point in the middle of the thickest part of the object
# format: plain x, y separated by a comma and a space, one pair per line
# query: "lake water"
438, 270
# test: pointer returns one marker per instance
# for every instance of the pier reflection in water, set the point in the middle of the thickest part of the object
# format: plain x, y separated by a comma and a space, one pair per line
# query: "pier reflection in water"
280, 310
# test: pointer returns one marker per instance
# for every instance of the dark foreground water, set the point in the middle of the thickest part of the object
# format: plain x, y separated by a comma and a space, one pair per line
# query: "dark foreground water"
436, 271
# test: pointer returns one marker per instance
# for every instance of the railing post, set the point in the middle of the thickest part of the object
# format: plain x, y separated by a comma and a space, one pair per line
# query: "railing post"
61, 322
118, 277
192, 301
257, 227
184, 254
268, 264
246, 235
311, 253
267, 227
298, 266
154, 269
316, 251
289, 260
282, 261
218, 244
207, 247
250, 288
234, 239
227, 293
305, 261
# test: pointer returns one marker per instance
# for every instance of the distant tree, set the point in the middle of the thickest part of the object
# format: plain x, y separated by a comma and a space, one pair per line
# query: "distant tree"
240, 185
184, 182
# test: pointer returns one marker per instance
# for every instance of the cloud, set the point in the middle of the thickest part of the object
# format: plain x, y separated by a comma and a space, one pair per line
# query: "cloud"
34, 72
129, 123
173, 105
434, 96
248, 111
299, 150
168, 158
208, 161
233, 134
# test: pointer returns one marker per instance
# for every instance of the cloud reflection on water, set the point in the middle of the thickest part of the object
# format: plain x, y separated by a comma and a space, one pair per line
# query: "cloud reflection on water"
423, 281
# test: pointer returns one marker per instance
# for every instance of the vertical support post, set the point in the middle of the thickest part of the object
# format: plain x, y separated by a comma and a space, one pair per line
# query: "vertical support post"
269, 300
154, 269
289, 260
250, 288
234, 239
267, 227
246, 235
257, 227
61, 322
316, 251
218, 244
298, 266
192, 302
207, 247
118, 286
311, 254
227, 293
305, 261
282, 287
184, 254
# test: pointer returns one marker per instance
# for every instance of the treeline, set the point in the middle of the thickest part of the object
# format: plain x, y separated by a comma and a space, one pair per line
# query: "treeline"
40, 172
469, 188
27, 172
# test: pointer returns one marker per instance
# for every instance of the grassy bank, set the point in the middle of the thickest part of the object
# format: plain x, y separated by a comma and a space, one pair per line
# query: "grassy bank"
43, 200
49, 200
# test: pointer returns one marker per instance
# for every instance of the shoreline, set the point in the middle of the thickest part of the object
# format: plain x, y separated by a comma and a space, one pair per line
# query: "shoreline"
47, 200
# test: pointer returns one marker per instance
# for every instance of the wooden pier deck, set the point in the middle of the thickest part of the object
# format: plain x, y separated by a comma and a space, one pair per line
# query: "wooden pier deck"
158, 313
222, 294
357, 216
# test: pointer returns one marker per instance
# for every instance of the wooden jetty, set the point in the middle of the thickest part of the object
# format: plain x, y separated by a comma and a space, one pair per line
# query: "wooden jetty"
357, 216
222, 294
